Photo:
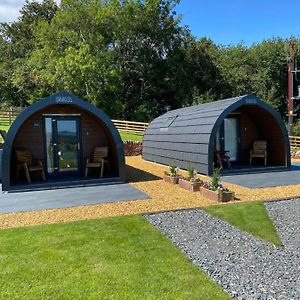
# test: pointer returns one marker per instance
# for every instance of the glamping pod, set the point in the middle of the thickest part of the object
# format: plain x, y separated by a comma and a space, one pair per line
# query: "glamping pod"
58, 139
235, 134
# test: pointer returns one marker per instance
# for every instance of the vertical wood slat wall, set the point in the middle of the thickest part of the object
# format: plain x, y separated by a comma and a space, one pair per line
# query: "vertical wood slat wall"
93, 133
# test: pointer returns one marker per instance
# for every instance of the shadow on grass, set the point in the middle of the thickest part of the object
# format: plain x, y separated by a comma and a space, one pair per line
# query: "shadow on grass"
138, 175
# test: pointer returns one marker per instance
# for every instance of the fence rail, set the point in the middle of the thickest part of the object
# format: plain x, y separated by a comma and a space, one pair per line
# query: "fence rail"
295, 143
7, 116
131, 126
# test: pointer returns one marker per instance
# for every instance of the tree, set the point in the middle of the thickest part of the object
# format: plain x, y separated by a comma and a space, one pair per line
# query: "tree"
17, 44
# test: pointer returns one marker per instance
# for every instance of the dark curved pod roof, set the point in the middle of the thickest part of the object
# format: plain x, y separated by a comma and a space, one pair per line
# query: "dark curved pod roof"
187, 136
63, 98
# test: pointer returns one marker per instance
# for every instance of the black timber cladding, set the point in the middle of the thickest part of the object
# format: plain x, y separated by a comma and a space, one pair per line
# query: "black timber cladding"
64, 98
189, 139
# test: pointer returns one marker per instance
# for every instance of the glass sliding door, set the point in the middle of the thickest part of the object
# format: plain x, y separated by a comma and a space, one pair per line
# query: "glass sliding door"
62, 145
67, 145
49, 146
231, 138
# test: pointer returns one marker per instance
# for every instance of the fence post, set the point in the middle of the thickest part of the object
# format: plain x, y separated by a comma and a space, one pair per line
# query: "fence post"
10, 115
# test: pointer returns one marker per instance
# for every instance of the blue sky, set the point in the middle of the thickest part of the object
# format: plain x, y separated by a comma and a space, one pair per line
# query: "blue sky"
232, 21
224, 21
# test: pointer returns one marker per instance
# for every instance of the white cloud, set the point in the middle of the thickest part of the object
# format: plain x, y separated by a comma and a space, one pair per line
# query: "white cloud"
9, 9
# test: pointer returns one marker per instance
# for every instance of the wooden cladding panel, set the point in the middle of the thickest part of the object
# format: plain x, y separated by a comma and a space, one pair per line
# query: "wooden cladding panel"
31, 137
93, 133
258, 124
249, 132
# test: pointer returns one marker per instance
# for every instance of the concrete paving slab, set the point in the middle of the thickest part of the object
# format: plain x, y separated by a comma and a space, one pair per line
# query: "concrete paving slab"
68, 197
266, 179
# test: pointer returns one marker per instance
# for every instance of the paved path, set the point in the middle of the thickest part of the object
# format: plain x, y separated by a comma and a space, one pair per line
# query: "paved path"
246, 267
68, 197
266, 179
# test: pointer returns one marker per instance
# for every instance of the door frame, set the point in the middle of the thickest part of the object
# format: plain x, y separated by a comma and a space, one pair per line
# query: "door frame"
57, 173
238, 132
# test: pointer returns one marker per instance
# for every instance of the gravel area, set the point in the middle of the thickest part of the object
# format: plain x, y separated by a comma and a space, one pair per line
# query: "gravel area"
245, 266
146, 177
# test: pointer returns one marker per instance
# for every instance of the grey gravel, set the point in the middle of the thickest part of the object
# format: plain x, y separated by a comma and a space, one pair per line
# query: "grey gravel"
246, 267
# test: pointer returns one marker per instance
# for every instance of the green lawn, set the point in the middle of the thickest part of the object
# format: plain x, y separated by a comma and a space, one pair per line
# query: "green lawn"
111, 258
131, 137
250, 217
4, 126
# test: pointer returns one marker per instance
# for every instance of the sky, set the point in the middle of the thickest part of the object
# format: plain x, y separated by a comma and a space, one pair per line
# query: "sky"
226, 22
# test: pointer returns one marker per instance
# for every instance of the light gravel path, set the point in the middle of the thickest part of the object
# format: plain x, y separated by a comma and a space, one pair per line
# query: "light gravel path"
245, 266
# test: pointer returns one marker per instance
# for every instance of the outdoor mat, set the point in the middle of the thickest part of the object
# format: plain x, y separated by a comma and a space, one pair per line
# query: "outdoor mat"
269, 179
68, 197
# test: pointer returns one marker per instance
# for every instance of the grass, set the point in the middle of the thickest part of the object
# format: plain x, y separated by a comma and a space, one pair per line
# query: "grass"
131, 137
111, 258
4, 126
250, 217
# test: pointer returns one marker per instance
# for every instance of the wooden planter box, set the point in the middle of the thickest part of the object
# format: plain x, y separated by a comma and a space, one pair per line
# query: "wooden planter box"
171, 179
187, 185
215, 196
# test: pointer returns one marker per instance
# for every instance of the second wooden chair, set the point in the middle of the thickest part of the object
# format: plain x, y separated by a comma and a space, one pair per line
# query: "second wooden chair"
98, 160
25, 162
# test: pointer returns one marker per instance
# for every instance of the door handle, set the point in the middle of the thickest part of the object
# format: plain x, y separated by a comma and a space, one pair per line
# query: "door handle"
78, 146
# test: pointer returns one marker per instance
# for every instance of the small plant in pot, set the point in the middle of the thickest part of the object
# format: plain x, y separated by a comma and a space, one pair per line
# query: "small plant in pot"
214, 190
172, 176
191, 182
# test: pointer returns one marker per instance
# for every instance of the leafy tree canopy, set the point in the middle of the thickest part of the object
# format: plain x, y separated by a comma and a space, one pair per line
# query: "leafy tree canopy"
132, 58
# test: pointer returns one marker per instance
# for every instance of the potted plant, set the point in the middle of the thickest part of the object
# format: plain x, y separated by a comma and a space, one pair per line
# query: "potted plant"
191, 182
172, 175
214, 190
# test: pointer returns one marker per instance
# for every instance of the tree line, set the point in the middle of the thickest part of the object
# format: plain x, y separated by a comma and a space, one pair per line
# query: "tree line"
132, 58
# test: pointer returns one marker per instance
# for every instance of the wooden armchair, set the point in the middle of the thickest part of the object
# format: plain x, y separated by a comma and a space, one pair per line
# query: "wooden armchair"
98, 160
259, 149
25, 162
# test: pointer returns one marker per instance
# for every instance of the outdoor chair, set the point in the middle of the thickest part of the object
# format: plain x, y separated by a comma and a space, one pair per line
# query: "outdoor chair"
98, 160
259, 150
29, 165
221, 158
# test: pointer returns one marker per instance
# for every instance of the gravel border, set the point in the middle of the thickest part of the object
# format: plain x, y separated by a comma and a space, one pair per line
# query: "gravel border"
246, 267
146, 177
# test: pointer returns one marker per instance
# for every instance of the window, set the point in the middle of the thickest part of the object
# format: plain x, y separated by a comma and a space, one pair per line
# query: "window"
168, 122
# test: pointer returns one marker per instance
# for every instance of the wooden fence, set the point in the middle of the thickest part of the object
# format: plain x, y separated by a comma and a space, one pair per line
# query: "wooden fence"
8, 116
131, 127
295, 143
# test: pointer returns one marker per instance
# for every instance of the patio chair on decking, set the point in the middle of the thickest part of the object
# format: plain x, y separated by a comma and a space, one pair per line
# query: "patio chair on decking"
25, 161
259, 149
98, 160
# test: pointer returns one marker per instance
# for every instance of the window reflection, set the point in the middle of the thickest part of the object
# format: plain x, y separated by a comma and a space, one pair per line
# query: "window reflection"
67, 145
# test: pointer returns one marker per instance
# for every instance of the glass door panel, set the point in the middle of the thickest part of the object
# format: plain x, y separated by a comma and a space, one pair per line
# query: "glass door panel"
49, 145
67, 144
62, 145
231, 138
